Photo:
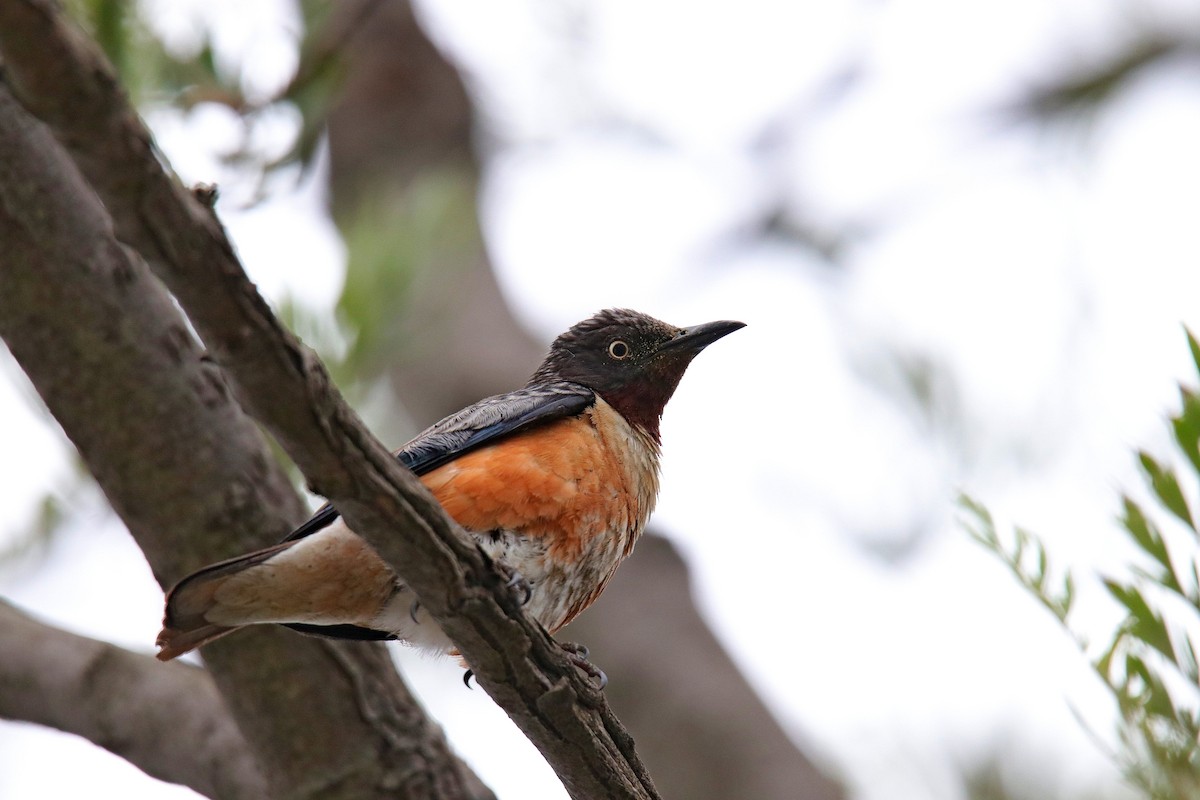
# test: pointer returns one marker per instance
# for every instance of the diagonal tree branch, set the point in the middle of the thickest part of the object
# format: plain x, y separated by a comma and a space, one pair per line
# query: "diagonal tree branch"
191, 476
64, 80
171, 723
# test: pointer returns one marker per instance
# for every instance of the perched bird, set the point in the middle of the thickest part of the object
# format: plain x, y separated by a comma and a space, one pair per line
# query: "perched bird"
554, 481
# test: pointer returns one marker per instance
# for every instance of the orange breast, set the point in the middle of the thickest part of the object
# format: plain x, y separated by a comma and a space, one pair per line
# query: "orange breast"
559, 481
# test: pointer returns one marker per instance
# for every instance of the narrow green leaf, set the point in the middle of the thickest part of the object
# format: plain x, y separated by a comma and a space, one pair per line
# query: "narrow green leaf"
1068, 598
1144, 532
1194, 346
979, 523
206, 60
1143, 623
1019, 545
1158, 701
1040, 577
1137, 678
1186, 426
1166, 486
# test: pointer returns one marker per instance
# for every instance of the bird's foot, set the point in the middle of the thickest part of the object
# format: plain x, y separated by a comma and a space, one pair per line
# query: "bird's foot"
412, 611
517, 584
578, 654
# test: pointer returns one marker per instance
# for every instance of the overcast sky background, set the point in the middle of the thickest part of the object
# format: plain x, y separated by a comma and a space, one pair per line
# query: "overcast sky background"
632, 148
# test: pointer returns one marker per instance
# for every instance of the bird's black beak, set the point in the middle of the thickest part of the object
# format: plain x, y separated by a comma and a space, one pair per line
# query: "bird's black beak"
698, 337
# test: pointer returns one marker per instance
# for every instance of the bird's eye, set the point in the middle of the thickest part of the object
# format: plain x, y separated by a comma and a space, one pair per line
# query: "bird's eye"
618, 350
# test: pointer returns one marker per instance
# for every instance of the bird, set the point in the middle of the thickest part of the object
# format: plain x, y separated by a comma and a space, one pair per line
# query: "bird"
554, 482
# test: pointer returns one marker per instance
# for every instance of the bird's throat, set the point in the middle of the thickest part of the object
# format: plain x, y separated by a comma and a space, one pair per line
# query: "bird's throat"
641, 403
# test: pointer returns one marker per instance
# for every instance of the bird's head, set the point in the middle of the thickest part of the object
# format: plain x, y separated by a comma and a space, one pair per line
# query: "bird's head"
633, 361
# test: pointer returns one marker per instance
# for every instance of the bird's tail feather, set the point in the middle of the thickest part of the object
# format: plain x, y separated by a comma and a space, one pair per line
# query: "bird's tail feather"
173, 642
185, 623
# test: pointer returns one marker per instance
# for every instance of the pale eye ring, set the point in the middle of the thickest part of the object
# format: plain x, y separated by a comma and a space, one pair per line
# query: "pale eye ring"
618, 349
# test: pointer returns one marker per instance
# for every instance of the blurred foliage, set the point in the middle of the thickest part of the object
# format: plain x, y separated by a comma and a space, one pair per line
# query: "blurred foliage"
1150, 665
30, 543
391, 241
153, 73
1080, 91
147, 69
994, 779
1025, 557
157, 75
395, 240
387, 245
33, 541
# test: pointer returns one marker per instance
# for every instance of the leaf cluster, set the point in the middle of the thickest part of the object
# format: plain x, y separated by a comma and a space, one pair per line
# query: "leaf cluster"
1150, 664
154, 72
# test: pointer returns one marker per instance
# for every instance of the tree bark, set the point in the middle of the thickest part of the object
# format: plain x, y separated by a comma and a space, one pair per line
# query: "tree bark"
190, 475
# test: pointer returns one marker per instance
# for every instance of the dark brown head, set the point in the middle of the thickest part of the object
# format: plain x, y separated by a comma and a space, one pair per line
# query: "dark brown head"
634, 362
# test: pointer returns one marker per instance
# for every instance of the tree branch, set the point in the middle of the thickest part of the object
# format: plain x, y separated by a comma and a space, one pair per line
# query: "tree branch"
170, 723
190, 475
62, 79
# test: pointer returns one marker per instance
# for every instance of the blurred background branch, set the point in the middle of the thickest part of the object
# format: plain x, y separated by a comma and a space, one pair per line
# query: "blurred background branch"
174, 726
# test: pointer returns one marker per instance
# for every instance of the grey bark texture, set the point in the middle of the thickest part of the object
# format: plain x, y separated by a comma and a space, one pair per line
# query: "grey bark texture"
188, 472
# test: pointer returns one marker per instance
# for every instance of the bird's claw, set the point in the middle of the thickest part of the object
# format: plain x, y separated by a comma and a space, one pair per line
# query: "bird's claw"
575, 649
578, 655
516, 583
412, 611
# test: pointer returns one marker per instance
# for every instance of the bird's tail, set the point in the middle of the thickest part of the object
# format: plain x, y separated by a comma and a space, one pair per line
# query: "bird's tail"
191, 604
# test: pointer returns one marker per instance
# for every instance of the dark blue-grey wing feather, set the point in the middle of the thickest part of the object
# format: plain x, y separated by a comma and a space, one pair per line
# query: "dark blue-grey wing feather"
486, 421
491, 419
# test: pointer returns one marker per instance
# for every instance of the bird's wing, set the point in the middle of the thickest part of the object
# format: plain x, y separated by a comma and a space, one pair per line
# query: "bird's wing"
482, 423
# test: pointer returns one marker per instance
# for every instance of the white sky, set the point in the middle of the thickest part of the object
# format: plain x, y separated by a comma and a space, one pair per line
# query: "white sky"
1046, 274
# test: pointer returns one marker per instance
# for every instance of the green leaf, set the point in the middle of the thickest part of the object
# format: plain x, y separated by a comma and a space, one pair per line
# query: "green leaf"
1103, 665
1158, 699
1194, 346
1144, 623
1042, 566
1186, 426
984, 529
1144, 532
1166, 486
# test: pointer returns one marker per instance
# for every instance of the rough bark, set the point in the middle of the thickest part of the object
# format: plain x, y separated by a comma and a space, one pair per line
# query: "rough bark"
189, 474
63, 80
169, 722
